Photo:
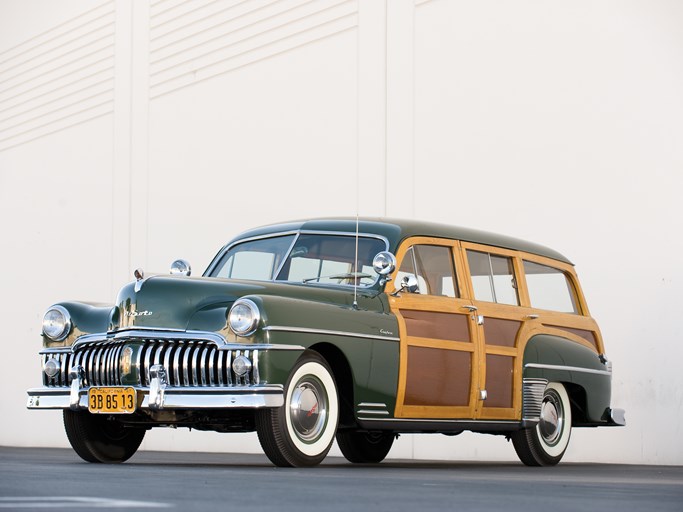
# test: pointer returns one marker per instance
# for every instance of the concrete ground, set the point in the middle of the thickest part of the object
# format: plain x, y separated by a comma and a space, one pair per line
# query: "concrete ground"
34, 478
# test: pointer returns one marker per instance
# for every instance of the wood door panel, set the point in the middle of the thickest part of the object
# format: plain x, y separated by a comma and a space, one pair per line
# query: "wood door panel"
501, 332
436, 325
499, 380
438, 377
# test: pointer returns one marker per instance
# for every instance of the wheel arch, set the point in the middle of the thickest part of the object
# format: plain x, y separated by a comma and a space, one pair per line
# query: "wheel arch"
343, 376
580, 369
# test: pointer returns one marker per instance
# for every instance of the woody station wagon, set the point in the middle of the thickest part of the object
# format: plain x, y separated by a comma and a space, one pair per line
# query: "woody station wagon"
351, 329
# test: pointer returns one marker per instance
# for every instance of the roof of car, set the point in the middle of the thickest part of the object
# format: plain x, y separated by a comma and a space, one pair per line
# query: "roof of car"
396, 230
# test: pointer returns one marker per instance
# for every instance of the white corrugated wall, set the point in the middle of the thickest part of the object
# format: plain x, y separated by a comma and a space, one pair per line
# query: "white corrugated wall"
133, 133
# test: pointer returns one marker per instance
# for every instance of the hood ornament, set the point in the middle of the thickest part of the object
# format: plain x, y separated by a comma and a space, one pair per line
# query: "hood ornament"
139, 278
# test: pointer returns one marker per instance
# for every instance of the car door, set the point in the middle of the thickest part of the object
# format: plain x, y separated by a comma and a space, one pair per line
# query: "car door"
439, 353
497, 293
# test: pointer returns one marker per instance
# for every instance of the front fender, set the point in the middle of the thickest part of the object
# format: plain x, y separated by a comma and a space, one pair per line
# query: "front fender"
86, 318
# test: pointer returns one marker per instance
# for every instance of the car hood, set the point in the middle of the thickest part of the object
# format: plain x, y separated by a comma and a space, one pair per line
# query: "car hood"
201, 303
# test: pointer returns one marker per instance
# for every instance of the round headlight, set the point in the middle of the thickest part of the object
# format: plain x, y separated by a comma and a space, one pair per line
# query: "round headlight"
243, 317
52, 367
56, 323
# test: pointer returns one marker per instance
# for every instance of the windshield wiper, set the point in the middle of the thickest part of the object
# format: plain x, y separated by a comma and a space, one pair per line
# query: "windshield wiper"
348, 275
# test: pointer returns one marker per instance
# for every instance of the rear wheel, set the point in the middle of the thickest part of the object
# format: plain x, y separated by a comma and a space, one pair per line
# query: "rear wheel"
365, 447
545, 444
98, 438
301, 432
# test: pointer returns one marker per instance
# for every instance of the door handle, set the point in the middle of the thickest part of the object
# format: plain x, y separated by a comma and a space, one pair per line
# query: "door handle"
470, 308
531, 317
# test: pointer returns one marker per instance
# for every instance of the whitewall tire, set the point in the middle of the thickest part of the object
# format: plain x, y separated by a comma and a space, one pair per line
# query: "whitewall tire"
301, 432
545, 444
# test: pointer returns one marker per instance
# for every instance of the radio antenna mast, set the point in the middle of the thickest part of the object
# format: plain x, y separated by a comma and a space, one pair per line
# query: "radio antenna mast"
355, 269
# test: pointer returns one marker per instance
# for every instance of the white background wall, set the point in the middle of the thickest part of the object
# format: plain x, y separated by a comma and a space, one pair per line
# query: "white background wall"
132, 133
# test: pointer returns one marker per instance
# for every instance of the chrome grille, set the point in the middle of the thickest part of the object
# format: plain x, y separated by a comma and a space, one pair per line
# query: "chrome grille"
100, 364
189, 363
196, 364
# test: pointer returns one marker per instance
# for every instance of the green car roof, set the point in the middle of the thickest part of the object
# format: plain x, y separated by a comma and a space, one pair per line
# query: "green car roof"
396, 230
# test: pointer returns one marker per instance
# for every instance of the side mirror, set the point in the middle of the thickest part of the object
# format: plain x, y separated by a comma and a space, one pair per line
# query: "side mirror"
181, 267
409, 284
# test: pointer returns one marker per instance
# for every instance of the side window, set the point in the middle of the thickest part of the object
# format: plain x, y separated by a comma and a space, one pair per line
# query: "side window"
549, 288
433, 267
493, 278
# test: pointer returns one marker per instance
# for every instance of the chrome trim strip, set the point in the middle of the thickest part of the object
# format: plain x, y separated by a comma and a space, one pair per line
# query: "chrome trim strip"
210, 358
436, 425
454, 422
567, 368
203, 365
307, 330
144, 376
532, 400
179, 398
284, 260
372, 408
186, 364
224, 347
176, 364
228, 367
195, 365
167, 362
220, 368
148, 333
255, 374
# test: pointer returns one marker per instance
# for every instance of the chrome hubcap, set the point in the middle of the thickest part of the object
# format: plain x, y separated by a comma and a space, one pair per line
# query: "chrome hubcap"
308, 409
552, 418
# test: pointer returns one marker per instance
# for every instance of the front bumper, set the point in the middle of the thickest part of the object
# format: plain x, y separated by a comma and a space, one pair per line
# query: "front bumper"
251, 397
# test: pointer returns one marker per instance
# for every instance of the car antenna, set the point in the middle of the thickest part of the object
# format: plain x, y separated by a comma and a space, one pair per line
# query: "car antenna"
355, 269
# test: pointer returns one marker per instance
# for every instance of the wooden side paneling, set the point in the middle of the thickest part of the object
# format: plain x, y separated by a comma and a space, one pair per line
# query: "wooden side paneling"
499, 381
501, 332
438, 377
436, 325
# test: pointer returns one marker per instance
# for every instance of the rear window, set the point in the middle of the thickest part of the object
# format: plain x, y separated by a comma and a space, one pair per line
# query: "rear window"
549, 288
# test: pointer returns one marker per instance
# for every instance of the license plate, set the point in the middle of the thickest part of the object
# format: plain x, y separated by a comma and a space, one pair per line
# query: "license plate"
112, 400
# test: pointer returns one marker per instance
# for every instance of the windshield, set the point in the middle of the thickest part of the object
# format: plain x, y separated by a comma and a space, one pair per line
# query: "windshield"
314, 258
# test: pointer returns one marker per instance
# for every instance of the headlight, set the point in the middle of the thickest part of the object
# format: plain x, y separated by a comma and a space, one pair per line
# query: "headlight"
52, 367
241, 366
244, 317
57, 323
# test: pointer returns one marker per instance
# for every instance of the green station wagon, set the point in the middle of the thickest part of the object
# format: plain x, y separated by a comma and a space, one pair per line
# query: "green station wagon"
354, 329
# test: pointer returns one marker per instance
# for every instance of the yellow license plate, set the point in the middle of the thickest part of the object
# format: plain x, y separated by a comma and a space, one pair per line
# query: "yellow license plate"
114, 400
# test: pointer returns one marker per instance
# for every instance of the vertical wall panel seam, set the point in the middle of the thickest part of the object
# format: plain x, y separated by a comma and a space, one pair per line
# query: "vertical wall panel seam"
131, 142
386, 105
412, 106
359, 27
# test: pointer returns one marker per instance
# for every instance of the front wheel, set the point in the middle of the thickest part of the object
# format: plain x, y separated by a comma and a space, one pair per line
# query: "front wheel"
365, 447
98, 438
301, 432
545, 444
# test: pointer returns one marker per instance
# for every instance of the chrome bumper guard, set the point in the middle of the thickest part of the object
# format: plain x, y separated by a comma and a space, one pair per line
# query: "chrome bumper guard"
617, 417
